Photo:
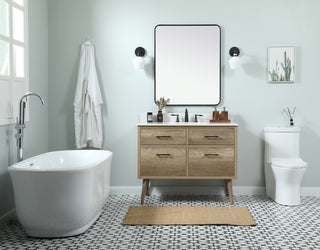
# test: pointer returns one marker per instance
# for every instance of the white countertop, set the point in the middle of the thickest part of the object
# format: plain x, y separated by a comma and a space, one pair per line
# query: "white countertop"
187, 124
169, 120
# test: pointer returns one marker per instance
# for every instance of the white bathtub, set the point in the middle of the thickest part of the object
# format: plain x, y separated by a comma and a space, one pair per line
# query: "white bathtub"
61, 193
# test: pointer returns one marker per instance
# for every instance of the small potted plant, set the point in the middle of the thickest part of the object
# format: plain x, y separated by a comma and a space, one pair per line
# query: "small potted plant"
161, 104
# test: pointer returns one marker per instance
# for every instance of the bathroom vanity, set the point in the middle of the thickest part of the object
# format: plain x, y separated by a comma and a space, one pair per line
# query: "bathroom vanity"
189, 150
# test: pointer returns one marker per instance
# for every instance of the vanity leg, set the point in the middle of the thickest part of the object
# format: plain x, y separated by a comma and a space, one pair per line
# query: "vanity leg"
226, 187
148, 188
145, 186
229, 189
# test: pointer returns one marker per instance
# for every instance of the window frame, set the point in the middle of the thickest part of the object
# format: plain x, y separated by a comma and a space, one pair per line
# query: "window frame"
17, 85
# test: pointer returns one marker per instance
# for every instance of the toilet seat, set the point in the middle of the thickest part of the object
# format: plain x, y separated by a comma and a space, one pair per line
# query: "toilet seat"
291, 163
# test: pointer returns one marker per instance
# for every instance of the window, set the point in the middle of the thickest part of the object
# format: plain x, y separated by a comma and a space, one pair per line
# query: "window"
14, 76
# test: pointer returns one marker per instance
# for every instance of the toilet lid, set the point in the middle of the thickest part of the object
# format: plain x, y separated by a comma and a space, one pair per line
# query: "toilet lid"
289, 162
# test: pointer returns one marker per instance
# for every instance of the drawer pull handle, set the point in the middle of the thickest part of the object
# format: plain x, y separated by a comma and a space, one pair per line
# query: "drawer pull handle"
163, 137
211, 155
164, 155
211, 136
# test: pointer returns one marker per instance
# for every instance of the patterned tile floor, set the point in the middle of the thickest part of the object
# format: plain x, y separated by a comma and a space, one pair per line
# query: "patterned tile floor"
278, 227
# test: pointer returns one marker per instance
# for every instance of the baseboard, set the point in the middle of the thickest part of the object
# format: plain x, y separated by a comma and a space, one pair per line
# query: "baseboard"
122, 190
310, 191
7, 216
180, 190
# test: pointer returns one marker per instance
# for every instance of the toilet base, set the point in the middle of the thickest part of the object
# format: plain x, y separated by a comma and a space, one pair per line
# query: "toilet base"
287, 196
287, 191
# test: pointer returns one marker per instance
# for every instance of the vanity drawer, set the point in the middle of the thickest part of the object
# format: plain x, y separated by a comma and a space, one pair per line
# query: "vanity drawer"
161, 136
212, 136
162, 161
211, 161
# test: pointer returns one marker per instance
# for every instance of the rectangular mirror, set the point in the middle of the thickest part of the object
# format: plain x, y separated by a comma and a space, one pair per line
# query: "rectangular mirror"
187, 64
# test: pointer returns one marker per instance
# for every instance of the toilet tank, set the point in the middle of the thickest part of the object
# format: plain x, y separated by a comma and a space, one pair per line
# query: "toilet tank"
281, 142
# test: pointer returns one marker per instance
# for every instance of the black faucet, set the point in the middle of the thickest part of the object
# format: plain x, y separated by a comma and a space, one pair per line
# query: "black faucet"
177, 120
196, 117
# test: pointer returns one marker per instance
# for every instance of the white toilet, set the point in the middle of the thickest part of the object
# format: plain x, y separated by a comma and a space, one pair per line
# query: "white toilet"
284, 168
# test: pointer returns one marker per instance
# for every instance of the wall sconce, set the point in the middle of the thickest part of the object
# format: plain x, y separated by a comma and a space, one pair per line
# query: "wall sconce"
234, 61
138, 61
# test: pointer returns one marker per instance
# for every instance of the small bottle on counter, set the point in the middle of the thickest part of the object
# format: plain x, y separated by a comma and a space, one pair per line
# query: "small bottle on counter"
224, 114
215, 114
149, 117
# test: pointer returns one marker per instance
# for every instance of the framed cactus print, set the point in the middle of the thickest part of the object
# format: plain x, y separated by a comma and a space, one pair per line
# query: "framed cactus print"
281, 64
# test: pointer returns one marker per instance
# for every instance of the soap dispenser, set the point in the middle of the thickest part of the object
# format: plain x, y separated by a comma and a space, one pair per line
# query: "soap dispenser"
186, 116
224, 114
215, 114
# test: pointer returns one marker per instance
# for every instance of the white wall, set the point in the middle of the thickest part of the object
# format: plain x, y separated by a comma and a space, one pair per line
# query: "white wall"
117, 27
36, 132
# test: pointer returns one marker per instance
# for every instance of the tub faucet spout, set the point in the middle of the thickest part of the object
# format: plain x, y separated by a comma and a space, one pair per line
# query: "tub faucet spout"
21, 124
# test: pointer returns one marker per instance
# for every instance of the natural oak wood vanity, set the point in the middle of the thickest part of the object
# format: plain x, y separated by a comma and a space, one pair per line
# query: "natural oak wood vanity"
187, 151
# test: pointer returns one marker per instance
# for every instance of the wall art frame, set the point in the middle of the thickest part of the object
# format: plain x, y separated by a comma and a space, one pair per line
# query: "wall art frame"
281, 64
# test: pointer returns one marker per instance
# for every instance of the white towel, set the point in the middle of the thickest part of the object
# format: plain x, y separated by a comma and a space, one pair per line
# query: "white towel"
87, 101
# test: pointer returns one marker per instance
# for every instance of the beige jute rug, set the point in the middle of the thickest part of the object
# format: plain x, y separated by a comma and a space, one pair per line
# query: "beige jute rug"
185, 215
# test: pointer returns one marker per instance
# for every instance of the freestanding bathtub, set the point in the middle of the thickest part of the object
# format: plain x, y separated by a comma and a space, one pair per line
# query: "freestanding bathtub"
61, 193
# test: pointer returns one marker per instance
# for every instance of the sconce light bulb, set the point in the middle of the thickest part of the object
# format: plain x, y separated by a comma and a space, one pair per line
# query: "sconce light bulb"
138, 62
235, 62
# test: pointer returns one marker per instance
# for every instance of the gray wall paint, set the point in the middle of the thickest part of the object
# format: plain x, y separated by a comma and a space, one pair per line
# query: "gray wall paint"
118, 27
6, 159
36, 132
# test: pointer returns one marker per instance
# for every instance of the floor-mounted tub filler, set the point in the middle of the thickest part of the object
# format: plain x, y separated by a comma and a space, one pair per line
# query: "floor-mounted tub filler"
61, 193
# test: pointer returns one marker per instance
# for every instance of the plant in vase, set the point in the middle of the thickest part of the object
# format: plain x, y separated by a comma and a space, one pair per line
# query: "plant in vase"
290, 114
161, 104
